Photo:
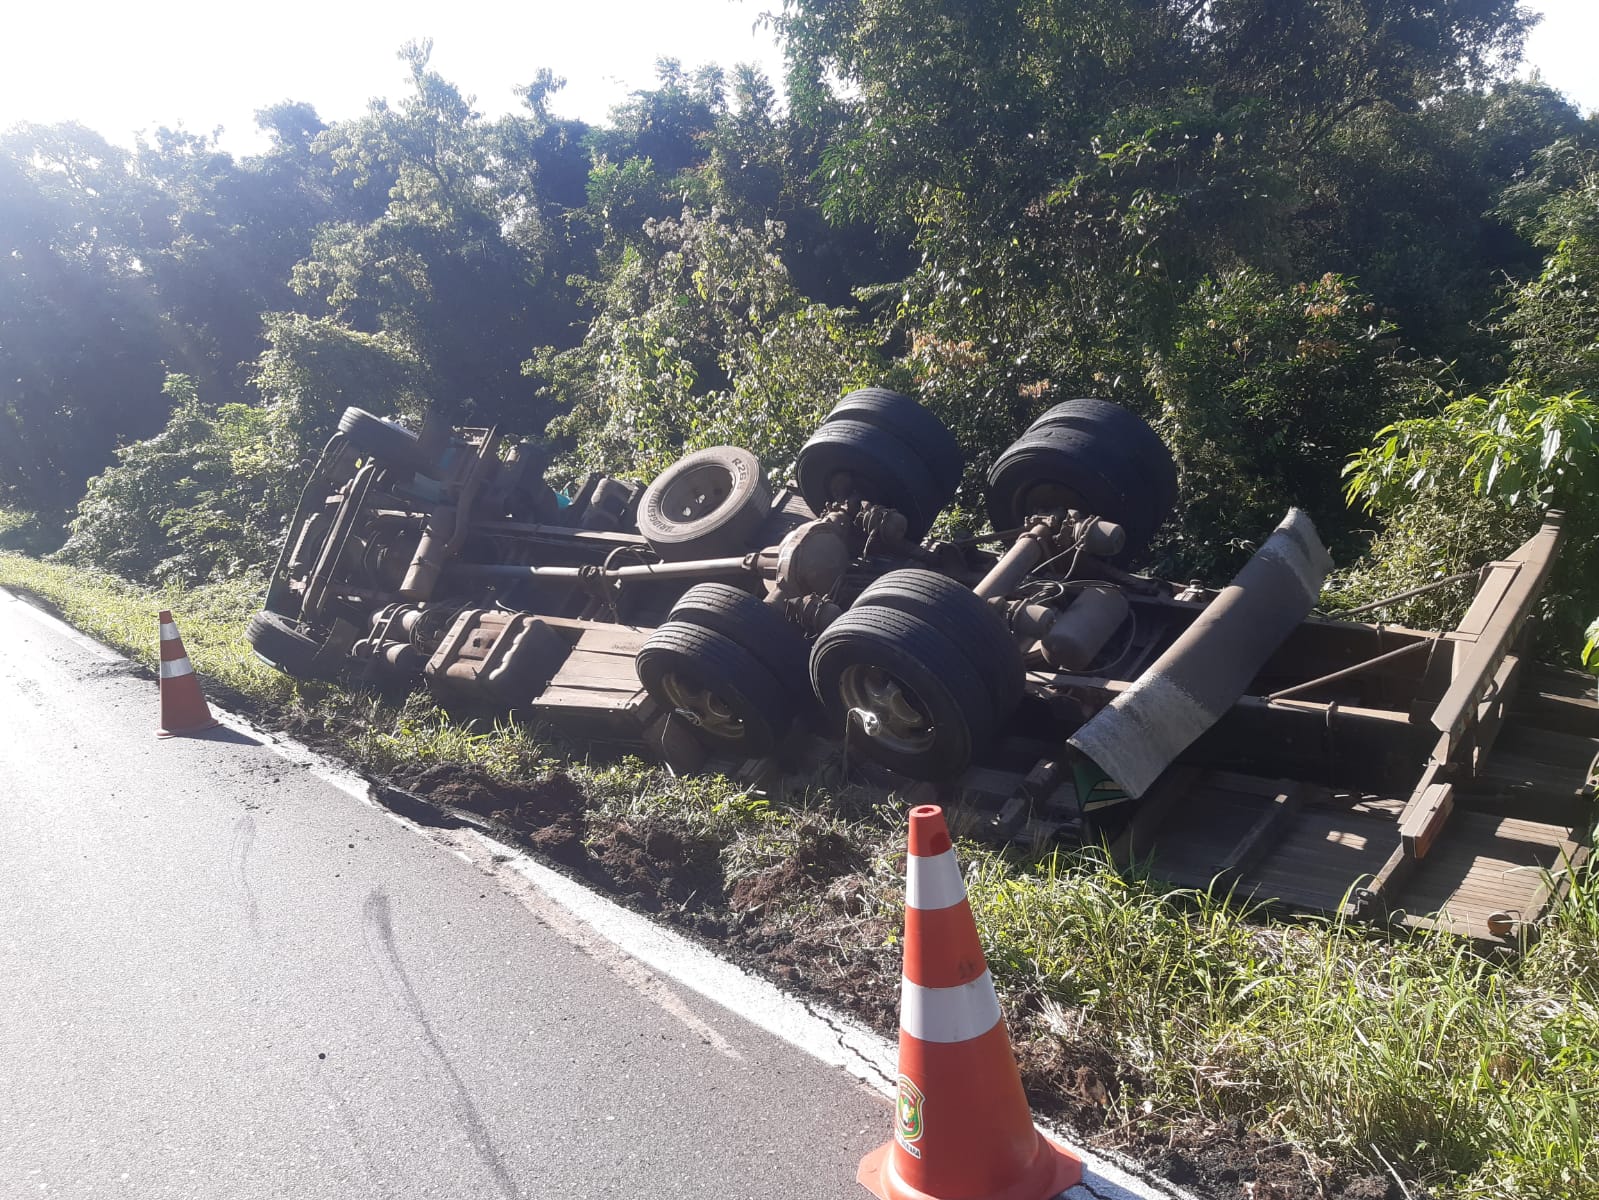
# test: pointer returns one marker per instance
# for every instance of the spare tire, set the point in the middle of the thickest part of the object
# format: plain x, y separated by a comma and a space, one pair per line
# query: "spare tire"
848, 457
911, 423
708, 504
281, 643
386, 440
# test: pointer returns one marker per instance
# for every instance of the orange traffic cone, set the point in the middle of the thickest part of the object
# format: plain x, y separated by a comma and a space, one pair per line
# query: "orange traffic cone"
962, 1128
183, 708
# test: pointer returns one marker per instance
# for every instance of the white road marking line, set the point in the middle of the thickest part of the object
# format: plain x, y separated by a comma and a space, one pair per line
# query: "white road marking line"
583, 936
825, 1035
57, 625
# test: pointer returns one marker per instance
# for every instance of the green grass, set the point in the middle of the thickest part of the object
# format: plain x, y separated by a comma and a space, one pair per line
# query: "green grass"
1476, 1078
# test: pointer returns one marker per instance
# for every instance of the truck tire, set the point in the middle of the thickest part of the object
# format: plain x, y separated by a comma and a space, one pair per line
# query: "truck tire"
754, 625
734, 703
280, 642
1152, 461
709, 504
1062, 467
911, 423
386, 440
847, 456
929, 709
967, 621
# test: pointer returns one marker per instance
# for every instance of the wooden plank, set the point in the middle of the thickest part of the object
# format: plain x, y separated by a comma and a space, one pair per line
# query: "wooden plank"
1491, 711
1489, 865
605, 670
609, 633
1235, 781
1278, 812
1559, 700
1316, 861
1535, 559
1492, 585
1471, 930
1571, 751
1421, 824
1573, 855
590, 698
1401, 863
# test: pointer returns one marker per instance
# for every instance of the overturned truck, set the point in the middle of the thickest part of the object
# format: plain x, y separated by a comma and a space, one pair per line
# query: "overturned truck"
1427, 777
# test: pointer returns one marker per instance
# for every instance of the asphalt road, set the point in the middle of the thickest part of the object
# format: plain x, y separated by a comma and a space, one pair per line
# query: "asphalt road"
222, 977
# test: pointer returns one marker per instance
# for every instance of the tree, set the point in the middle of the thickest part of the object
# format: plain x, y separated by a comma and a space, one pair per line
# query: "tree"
699, 338
1529, 445
80, 340
454, 268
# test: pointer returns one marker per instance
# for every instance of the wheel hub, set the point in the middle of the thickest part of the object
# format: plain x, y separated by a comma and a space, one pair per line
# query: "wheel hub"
702, 708
697, 492
889, 711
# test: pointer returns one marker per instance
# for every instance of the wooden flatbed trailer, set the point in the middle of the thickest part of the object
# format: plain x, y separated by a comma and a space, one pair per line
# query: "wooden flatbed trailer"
1475, 833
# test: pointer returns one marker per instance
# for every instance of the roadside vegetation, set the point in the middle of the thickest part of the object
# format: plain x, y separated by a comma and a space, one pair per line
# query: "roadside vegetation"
1335, 252
1206, 1035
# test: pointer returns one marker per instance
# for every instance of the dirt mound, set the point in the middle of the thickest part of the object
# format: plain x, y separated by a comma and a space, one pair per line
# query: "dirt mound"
549, 815
818, 857
659, 869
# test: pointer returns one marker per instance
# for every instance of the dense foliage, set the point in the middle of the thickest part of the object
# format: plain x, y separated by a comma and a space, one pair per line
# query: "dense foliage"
1270, 227
1528, 445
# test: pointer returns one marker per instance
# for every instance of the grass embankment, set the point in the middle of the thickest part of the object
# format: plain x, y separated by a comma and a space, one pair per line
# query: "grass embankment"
1168, 1021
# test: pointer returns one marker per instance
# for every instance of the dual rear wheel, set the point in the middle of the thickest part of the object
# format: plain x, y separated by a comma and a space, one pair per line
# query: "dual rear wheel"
920, 674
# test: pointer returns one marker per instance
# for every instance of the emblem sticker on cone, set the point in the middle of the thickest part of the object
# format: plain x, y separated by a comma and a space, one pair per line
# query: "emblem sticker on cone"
908, 1116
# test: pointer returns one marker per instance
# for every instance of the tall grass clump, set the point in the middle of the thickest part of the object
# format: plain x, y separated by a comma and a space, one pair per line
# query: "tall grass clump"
1418, 1054
121, 614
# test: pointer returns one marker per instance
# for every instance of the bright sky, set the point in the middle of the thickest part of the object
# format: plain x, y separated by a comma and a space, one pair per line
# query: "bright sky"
119, 68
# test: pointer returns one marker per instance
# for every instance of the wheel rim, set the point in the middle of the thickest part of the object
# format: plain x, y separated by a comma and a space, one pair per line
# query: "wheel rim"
697, 493
1048, 497
702, 707
892, 713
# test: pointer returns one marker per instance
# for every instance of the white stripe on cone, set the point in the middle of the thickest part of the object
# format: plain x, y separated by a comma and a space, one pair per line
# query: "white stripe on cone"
933, 882
951, 1014
177, 667
169, 631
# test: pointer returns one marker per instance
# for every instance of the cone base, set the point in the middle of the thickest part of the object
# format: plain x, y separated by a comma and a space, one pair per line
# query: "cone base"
210, 723
1053, 1171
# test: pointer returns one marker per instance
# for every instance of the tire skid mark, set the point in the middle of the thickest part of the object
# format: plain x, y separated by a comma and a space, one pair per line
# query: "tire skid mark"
378, 925
351, 1130
243, 843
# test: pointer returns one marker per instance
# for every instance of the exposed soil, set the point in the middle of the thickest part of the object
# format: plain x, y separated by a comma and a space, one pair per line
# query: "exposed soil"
1212, 1159
657, 869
